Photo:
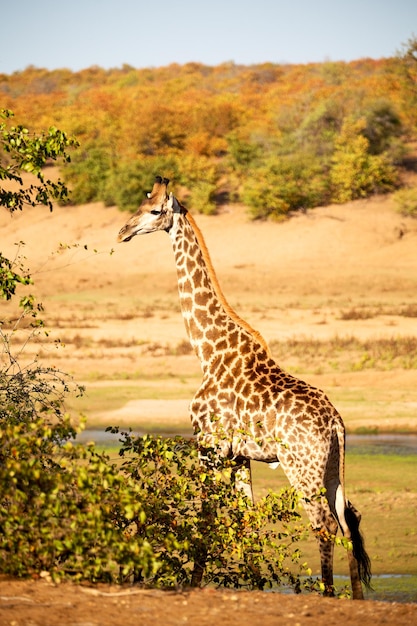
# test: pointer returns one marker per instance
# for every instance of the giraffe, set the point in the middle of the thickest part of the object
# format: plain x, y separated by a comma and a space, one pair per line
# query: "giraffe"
262, 412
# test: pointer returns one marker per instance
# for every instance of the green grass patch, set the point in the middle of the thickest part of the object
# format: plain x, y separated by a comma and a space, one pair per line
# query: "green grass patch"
393, 588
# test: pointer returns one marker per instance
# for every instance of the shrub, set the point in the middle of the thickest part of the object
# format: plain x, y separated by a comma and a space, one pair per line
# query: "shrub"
58, 506
202, 196
355, 173
66, 509
192, 510
200, 178
88, 173
383, 126
128, 181
406, 201
283, 184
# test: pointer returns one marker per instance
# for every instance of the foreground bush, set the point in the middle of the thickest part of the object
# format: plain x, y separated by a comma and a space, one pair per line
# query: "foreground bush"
68, 510
190, 510
57, 509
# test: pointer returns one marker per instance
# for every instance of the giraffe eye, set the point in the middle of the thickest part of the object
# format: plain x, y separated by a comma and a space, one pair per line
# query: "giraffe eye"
156, 212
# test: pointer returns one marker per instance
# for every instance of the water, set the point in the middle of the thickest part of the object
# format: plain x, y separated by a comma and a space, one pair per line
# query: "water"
399, 445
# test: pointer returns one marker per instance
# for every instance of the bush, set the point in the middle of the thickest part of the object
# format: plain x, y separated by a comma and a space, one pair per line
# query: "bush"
383, 126
200, 177
202, 197
355, 173
284, 184
88, 173
58, 501
192, 512
128, 182
406, 201
66, 509
58, 506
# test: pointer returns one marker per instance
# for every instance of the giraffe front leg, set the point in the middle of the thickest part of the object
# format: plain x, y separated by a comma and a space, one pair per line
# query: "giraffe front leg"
242, 477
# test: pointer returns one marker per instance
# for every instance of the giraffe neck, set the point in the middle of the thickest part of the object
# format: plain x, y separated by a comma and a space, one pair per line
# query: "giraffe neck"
209, 320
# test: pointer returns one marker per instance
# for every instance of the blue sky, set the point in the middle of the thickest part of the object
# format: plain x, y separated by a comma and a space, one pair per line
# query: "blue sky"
76, 34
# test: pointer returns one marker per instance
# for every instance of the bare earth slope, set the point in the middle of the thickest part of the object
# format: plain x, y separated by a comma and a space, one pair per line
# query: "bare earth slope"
310, 277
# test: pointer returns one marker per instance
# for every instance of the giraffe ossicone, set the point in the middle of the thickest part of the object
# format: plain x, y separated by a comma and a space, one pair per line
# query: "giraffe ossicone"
261, 412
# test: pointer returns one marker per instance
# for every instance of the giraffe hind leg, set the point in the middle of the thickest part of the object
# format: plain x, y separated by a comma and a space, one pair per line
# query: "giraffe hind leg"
325, 525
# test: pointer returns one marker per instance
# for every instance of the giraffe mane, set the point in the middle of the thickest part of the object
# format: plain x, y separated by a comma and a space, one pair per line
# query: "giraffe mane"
229, 310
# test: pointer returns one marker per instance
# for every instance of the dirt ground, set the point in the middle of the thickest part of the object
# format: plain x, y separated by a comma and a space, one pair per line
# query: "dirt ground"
39, 603
289, 280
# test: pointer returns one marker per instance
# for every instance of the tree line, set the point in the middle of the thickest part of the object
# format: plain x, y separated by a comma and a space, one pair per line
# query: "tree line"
276, 137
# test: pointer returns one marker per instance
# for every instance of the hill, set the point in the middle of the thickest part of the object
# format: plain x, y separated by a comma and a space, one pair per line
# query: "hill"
339, 271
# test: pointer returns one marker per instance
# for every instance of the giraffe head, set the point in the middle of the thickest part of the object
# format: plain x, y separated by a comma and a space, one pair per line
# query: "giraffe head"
155, 213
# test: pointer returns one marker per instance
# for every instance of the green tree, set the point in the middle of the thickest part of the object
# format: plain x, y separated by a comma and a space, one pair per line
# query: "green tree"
319, 129
200, 176
128, 181
23, 151
355, 173
89, 172
284, 183
408, 76
383, 127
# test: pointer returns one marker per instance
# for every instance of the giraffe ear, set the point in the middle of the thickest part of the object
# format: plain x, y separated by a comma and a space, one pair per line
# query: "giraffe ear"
159, 189
173, 204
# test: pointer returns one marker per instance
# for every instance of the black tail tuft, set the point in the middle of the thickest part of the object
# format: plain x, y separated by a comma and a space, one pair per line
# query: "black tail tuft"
359, 552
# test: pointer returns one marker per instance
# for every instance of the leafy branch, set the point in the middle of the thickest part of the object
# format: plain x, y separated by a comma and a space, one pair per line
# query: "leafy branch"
30, 152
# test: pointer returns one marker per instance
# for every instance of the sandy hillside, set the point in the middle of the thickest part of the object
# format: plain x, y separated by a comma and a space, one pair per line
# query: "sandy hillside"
115, 306
361, 253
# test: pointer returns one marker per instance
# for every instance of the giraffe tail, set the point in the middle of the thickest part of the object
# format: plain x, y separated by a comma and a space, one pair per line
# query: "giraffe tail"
352, 517
349, 517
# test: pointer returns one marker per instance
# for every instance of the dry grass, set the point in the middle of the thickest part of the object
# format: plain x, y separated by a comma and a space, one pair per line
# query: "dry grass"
346, 354
366, 312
